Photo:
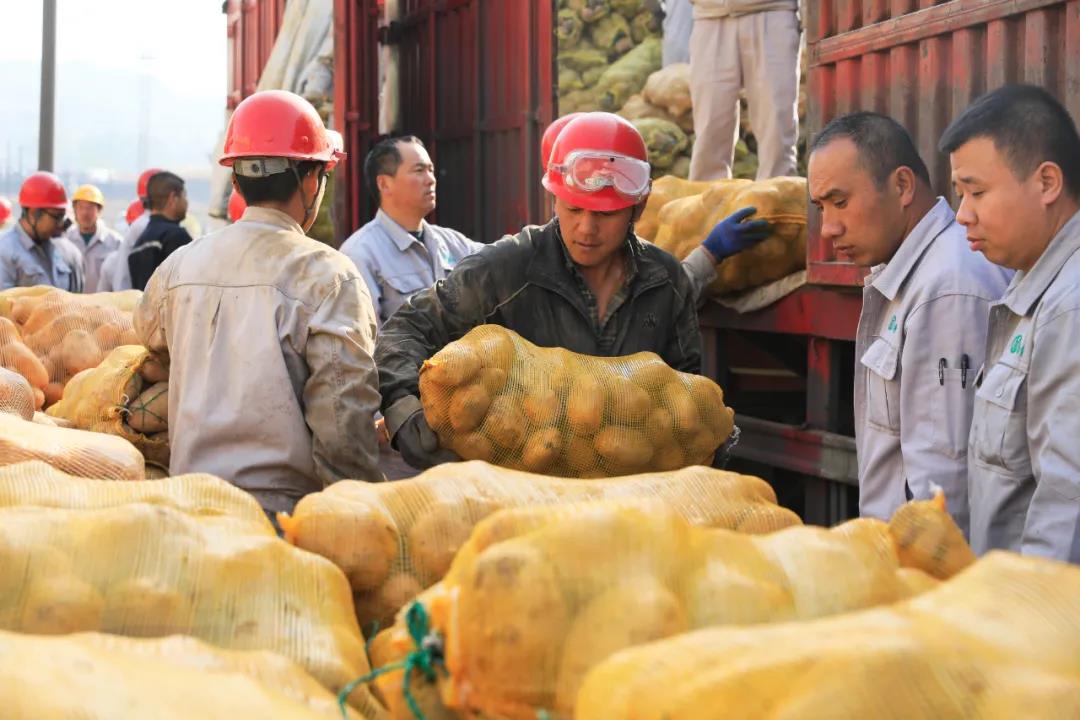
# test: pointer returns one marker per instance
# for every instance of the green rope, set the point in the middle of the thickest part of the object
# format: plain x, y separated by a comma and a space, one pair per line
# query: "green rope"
426, 656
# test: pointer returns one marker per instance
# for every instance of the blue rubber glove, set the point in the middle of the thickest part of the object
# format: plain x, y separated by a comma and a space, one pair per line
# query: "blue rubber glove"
731, 235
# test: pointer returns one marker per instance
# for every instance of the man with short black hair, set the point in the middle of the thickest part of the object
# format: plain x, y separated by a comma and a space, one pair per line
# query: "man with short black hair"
1015, 156
398, 252
923, 325
269, 332
163, 234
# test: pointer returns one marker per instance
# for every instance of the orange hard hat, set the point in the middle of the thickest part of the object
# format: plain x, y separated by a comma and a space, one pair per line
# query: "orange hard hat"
599, 162
237, 205
5, 210
278, 124
134, 210
552, 132
144, 180
43, 190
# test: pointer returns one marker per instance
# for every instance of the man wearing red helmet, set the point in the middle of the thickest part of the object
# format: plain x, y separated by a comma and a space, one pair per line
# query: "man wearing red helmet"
34, 251
583, 281
269, 333
5, 211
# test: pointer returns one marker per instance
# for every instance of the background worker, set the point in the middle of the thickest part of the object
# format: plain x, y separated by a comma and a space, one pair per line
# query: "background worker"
1015, 156
922, 330
115, 274
33, 251
163, 234
268, 332
751, 45
91, 235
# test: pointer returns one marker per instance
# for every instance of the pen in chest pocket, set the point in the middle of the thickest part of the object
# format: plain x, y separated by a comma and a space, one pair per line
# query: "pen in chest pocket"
941, 365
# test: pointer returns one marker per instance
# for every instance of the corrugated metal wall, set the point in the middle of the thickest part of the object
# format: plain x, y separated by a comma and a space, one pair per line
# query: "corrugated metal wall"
923, 62
252, 28
477, 87
356, 106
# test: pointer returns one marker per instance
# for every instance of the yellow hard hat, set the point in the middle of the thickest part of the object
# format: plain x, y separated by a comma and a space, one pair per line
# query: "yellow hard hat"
89, 193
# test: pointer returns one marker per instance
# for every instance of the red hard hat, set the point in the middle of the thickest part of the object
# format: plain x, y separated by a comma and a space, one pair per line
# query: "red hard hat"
5, 210
551, 133
144, 180
237, 205
43, 190
134, 210
596, 135
278, 123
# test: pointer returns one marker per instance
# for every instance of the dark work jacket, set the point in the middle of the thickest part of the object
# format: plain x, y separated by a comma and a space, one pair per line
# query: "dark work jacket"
158, 241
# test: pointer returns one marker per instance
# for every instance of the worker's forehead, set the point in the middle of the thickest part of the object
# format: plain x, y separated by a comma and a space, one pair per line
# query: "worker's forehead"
977, 160
834, 167
413, 153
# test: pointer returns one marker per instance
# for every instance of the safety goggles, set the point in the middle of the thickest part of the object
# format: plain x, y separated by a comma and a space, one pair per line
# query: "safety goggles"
593, 170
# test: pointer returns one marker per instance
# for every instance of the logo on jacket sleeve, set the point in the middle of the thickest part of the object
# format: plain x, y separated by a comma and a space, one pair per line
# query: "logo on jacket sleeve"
1017, 347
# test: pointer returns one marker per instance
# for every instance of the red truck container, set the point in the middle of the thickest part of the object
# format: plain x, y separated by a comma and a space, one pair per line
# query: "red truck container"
252, 27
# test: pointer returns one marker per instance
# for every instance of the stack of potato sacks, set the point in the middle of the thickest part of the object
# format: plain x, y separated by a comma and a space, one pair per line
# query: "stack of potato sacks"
393, 540
613, 610
680, 214
189, 555
494, 396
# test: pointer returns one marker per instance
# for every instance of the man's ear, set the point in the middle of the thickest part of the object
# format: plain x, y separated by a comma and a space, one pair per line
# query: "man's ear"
1051, 181
906, 184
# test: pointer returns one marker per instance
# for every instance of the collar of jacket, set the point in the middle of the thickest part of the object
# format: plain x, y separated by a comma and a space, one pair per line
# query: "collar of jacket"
1028, 287
398, 234
28, 242
270, 216
892, 276
551, 265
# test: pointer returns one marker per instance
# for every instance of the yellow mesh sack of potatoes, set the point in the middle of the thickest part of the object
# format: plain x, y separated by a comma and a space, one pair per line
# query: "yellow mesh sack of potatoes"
494, 396
104, 677
123, 396
70, 332
684, 223
148, 570
394, 539
78, 452
539, 596
35, 483
16, 395
999, 641
18, 358
670, 188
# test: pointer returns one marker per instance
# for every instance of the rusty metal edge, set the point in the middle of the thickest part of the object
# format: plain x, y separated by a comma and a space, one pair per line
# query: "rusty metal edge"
916, 26
810, 452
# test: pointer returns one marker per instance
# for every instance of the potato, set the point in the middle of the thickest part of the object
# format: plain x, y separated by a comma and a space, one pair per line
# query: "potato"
635, 612
669, 457
453, 365
59, 605
128, 337
504, 424
23, 307
364, 543
585, 406
511, 596
53, 392
682, 406
493, 379
653, 374
929, 539
660, 426
144, 607
79, 351
380, 606
107, 336
495, 348
624, 449
16, 395
468, 405
17, 357
627, 403
472, 446
435, 538
580, 456
700, 447
541, 405
154, 369
8, 332
149, 413
542, 449
39, 398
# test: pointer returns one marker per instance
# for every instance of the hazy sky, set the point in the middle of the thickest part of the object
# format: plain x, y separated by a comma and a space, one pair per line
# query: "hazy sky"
115, 58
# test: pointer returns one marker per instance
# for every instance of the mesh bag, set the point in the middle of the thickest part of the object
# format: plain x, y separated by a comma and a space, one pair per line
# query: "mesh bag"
494, 396
927, 538
685, 223
999, 641
35, 483
70, 333
394, 539
92, 676
538, 596
148, 570
101, 399
81, 453
667, 189
16, 395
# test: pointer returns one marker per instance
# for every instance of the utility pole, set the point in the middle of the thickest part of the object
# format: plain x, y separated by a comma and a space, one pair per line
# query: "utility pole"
48, 85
